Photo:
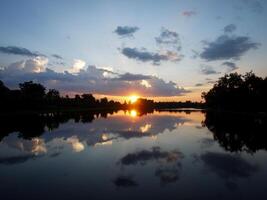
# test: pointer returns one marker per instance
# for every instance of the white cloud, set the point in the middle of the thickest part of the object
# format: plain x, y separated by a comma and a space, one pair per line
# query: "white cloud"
145, 83
77, 66
90, 80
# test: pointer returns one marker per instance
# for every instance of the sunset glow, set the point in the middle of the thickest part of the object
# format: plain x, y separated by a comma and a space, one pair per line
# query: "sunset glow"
133, 98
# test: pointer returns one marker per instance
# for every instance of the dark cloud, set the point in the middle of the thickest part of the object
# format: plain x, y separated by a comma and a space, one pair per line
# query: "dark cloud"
132, 77
228, 166
92, 79
169, 39
146, 56
253, 5
229, 28
169, 49
208, 70
57, 56
199, 84
227, 47
230, 65
188, 13
126, 31
19, 51
125, 181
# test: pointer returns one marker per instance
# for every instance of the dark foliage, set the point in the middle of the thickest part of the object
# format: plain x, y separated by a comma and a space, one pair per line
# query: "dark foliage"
238, 92
34, 125
33, 96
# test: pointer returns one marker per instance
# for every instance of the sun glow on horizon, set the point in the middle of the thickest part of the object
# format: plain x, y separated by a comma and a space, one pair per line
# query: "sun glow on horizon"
133, 98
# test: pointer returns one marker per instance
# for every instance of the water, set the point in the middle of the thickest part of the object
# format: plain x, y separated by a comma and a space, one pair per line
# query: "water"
132, 155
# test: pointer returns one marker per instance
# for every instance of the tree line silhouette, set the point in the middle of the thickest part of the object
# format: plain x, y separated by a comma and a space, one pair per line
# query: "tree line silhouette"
238, 92
33, 96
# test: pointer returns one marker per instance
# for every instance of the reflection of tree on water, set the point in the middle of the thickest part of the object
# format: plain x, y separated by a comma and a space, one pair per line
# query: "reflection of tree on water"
34, 125
238, 132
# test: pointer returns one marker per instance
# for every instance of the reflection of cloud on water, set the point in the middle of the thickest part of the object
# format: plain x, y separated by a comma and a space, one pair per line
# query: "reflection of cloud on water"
118, 126
207, 142
12, 160
145, 128
167, 163
144, 156
35, 145
38, 146
228, 167
125, 181
102, 131
77, 146
168, 175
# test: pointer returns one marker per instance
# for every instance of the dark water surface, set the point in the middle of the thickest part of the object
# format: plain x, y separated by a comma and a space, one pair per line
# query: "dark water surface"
128, 155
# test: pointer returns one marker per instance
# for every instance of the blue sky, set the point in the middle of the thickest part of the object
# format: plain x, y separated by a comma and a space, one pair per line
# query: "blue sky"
172, 49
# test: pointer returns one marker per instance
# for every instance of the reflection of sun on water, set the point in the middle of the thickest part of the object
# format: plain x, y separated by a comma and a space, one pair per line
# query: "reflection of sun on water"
133, 113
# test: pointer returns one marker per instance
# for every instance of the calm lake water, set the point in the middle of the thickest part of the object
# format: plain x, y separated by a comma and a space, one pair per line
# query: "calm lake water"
132, 155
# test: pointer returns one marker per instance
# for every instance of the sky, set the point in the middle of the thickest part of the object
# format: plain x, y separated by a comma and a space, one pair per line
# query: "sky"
160, 49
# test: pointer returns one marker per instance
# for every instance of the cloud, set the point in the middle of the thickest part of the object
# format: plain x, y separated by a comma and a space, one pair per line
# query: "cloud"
57, 56
227, 47
19, 51
145, 56
132, 77
77, 66
230, 65
34, 65
169, 39
229, 28
208, 70
169, 49
199, 84
253, 5
87, 80
126, 31
188, 13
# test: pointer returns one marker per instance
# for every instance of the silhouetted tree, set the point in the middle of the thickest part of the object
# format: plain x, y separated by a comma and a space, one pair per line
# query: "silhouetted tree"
237, 92
32, 90
52, 94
